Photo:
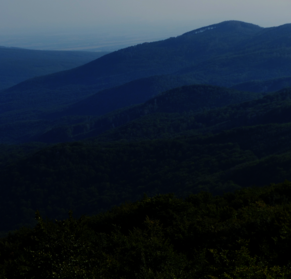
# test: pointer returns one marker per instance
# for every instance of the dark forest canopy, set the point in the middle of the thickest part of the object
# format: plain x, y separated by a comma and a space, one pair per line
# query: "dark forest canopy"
238, 235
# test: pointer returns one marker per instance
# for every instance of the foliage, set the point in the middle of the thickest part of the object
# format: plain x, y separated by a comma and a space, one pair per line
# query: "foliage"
238, 235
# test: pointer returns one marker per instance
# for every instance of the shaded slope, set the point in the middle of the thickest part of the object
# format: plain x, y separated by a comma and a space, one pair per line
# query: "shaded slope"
237, 68
264, 86
187, 99
273, 108
265, 55
132, 93
19, 126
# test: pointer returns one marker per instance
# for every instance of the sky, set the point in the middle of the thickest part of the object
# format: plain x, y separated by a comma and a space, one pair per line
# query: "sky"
134, 19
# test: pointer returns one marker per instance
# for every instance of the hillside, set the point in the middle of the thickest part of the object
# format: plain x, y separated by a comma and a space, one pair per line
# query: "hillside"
23, 125
18, 65
272, 108
182, 100
267, 86
128, 94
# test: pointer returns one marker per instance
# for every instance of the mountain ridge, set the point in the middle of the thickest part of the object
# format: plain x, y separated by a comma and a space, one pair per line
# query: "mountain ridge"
214, 57
19, 64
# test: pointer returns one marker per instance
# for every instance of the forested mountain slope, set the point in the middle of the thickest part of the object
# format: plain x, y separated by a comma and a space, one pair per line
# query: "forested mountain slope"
266, 55
272, 108
189, 110
128, 94
21, 125
266, 86
187, 99
17, 65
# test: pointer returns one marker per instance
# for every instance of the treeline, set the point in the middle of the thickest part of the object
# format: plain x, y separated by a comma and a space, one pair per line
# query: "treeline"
240, 235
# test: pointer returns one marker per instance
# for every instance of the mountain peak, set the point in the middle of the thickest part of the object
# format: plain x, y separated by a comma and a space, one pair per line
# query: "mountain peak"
228, 26
238, 24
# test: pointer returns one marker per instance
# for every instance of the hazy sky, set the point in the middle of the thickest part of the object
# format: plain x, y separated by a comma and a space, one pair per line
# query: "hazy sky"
126, 16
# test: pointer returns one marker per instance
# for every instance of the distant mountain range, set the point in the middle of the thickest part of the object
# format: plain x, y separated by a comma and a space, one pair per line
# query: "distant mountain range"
211, 55
230, 54
17, 64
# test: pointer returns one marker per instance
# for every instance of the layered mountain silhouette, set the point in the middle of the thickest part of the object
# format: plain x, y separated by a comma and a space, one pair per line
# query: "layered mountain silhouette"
180, 103
19, 64
144, 60
224, 54
267, 86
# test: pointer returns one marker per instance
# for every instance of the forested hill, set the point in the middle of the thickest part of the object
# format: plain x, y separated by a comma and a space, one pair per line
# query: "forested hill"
182, 100
189, 110
195, 109
267, 86
272, 108
128, 94
18, 65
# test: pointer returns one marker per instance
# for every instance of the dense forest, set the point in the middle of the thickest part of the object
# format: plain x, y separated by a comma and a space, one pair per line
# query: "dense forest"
245, 234
169, 159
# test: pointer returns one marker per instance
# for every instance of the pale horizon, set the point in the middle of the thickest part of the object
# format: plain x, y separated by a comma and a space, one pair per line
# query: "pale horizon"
88, 24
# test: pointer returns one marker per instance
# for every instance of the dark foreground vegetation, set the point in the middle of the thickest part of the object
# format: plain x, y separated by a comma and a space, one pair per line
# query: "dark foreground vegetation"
246, 234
